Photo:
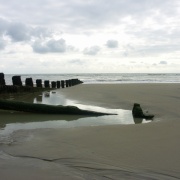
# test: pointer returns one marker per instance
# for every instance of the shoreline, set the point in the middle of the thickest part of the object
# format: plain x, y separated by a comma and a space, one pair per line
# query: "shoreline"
141, 151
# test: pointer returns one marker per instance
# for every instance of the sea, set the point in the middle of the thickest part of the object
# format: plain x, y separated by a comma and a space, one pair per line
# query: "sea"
99, 78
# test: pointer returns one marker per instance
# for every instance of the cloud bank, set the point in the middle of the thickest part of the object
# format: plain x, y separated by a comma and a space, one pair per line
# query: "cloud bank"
103, 31
51, 46
91, 50
112, 44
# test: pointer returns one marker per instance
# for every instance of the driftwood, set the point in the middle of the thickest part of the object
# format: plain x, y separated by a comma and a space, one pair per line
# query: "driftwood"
46, 109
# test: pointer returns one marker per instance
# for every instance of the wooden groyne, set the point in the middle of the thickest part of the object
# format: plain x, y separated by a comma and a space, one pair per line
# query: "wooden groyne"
37, 86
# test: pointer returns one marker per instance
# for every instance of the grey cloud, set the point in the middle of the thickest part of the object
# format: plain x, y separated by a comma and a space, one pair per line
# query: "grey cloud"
16, 31
3, 26
167, 34
163, 62
133, 62
73, 16
2, 43
76, 61
91, 50
19, 32
72, 48
41, 32
51, 46
125, 54
158, 49
84, 14
112, 44
147, 50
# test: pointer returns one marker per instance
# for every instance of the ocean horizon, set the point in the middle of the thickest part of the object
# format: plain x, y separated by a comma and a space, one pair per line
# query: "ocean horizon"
96, 78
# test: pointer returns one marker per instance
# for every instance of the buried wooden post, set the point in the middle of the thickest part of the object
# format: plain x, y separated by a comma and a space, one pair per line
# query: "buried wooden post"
39, 83
2, 88
53, 84
62, 83
29, 82
70, 82
46, 84
76, 81
67, 83
2, 81
80, 82
58, 84
16, 81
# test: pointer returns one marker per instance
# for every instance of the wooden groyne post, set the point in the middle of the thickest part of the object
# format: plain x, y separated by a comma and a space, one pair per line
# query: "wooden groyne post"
39, 83
53, 84
16, 81
67, 83
29, 82
58, 84
2, 80
62, 83
29, 85
46, 84
70, 82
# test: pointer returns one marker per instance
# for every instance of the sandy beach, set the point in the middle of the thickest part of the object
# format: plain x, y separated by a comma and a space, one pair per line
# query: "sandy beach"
137, 151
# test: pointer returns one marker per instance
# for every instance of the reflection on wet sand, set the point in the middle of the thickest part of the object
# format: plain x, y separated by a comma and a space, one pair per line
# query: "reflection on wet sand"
19, 120
39, 98
53, 98
8, 117
138, 120
141, 120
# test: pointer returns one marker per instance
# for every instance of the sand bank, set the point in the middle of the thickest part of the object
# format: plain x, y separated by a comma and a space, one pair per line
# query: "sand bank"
141, 151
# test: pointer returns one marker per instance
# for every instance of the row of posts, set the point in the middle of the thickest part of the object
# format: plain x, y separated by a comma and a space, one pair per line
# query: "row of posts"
29, 82
55, 84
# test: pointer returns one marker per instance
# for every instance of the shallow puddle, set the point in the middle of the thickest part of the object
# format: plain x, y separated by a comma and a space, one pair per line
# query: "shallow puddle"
12, 121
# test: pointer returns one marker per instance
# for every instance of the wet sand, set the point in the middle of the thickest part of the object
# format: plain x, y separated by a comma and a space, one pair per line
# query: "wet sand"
141, 151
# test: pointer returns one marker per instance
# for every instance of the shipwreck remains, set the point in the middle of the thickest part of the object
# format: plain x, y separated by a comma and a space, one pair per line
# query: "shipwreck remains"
46, 109
138, 112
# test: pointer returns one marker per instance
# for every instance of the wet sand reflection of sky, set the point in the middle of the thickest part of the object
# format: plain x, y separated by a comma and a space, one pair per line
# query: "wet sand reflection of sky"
12, 121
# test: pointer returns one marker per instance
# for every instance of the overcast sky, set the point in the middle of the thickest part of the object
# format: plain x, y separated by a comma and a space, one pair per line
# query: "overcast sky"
89, 36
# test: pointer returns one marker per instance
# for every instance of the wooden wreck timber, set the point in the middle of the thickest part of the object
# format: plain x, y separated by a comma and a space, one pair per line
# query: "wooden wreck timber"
138, 112
46, 109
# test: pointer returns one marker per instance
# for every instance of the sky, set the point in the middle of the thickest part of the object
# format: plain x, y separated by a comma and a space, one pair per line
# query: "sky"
89, 36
